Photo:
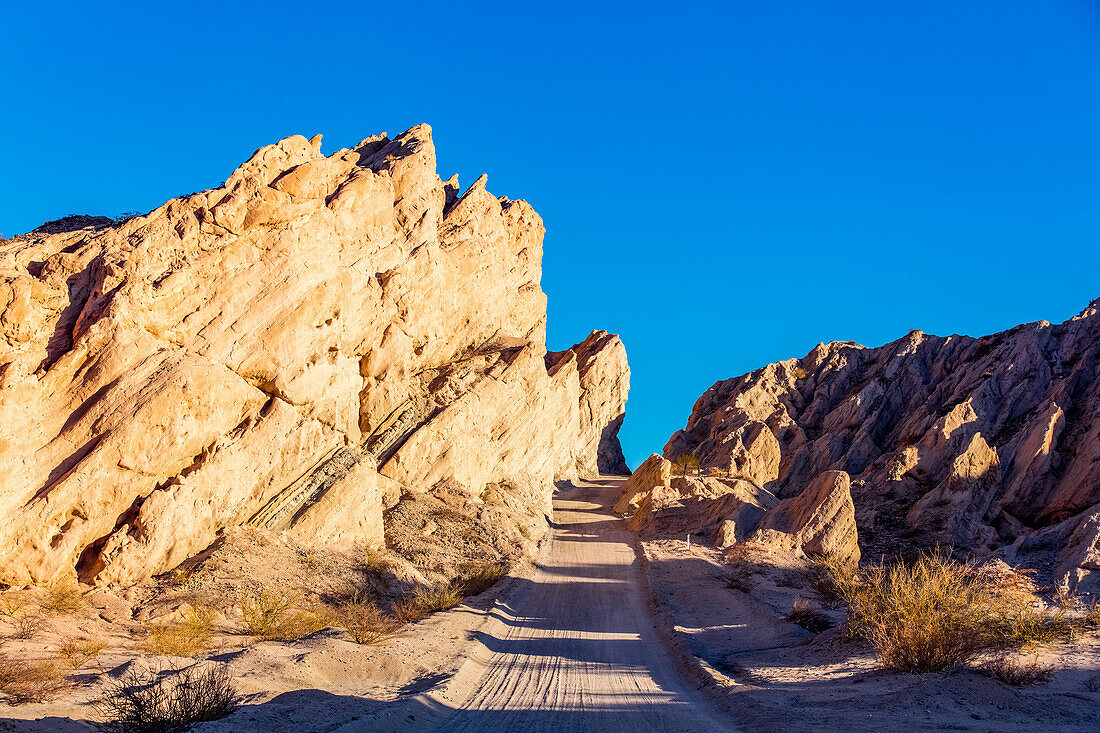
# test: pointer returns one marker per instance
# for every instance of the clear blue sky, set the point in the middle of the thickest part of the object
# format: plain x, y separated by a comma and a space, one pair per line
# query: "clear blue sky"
723, 184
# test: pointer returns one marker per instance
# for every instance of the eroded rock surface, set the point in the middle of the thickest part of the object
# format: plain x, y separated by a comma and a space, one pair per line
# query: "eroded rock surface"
297, 349
987, 445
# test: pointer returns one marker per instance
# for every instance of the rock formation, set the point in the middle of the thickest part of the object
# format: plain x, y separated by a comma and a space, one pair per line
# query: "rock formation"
987, 445
297, 349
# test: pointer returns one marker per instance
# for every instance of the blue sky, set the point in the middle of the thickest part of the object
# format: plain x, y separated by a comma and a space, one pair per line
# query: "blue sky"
723, 184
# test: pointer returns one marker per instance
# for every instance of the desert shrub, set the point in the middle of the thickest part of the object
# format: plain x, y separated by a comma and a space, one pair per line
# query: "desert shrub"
143, 701
928, 615
27, 624
78, 652
1092, 615
376, 561
1092, 684
364, 620
64, 598
799, 373
836, 583
524, 531
267, 613
438, 597
408, 611
184, 638
687, 462
302, 623
13, 606
808, 617
1017, 674
934, 612
30, 680
480, 578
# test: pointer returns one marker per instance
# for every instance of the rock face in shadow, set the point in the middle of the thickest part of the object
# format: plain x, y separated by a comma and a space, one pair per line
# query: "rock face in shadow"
297, 349
986, 445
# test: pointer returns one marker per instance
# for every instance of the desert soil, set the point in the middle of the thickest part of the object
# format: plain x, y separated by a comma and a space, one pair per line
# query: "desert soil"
595, 639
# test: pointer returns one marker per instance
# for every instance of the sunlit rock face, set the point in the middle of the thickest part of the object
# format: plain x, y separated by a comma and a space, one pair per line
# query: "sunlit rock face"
297, 349
988, 445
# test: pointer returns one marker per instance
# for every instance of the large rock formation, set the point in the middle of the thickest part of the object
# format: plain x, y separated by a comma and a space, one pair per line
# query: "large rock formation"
987, 445
296, 349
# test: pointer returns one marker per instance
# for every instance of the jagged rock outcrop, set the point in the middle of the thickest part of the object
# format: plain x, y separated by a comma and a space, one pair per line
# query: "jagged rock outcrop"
981, 444
725, 509
296, 349
821, 520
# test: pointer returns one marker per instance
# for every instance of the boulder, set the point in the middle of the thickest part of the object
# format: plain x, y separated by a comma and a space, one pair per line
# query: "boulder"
820, 520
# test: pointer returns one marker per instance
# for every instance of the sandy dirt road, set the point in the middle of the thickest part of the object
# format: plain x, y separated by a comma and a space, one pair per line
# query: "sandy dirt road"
572, 648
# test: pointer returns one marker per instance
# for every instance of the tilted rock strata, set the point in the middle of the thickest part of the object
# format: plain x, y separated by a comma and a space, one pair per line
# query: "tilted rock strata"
820, 521
973, 443
296, 349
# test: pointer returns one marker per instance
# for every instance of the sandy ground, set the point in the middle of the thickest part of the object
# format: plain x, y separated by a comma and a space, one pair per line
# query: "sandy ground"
569, 645
775, 676
596, 638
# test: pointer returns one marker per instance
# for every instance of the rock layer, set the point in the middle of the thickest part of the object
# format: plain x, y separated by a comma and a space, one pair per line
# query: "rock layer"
297, 349
987, 445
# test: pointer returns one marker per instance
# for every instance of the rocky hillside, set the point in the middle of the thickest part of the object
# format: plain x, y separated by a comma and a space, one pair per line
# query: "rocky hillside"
300, 349
988, 445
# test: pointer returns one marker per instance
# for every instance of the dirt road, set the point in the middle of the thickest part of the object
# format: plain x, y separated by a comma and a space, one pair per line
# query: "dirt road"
572, 648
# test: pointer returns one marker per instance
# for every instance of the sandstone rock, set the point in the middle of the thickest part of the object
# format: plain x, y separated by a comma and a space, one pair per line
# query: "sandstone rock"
820, 520
975, 443
297, 350
654, 472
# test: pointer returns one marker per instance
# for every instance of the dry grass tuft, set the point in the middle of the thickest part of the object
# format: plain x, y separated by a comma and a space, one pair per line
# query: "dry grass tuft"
438, 598
480, 578
808, 617
35, 680
185, 638
408, 611
364, 620
144, 701
64, 599
1092, 684
78, 652
935, 613
1017, 674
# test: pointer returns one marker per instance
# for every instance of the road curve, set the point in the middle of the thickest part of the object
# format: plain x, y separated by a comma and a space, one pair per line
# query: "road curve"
572, 648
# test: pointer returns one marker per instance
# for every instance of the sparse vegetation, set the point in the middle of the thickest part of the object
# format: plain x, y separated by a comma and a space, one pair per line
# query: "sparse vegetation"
30, 680
480, 578
185, 638
687, 462
935, 613
144, 701
1017, 674
183, 578
809, 618
64, 598
364, 620
78, 652
267, 613
438, 598
27, 623
408, 611
799, 373
1092, 684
